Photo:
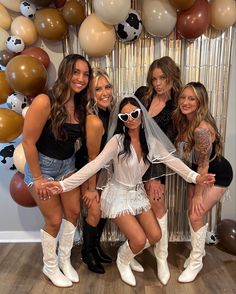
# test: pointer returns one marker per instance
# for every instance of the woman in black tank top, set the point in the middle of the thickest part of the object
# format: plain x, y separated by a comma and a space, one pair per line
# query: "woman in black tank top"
52, 125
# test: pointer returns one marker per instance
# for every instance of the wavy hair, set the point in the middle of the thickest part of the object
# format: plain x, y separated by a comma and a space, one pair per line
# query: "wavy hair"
121, 129
203, 113
60, 94
172, 73
92, 107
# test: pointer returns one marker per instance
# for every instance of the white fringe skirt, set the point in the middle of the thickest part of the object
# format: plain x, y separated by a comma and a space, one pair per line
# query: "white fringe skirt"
118, 199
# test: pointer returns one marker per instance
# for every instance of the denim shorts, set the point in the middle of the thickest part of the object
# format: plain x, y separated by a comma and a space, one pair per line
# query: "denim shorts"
51, 168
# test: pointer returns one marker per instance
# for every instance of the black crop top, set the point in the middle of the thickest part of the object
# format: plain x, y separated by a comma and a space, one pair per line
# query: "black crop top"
58, 149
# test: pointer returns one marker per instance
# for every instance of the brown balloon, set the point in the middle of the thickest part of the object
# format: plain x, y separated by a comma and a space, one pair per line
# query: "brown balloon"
182, 4
73, 12
59, 3
50, 24
20, 192
5, 89
226, 230
6, 56
26, 74
38, 53
11, 125
41, 2
193, 22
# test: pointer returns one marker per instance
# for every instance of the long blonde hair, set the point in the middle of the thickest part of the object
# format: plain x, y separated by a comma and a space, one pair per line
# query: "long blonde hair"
203, 113
92, 107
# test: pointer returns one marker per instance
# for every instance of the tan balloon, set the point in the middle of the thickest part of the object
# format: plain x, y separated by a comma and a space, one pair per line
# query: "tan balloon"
223, 13
13, 5
5, 89
95, 37
24, 28
50, 24
11, 125
19, 158
73, 12
5, 18
159, 18
3, 39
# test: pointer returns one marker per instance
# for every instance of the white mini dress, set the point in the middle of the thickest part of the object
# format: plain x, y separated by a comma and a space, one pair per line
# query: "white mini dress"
124, 191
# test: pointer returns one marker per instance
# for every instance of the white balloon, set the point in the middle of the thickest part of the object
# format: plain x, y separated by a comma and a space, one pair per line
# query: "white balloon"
159, 18
13, 5
19, 158
28, 9
15, 44
130, 29
112, 12
24, 111
17, 102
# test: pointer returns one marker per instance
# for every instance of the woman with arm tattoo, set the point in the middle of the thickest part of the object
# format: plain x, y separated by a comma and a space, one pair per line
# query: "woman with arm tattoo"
200, 144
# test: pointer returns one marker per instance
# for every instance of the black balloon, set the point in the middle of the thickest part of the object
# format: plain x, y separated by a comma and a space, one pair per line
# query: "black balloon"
226, 230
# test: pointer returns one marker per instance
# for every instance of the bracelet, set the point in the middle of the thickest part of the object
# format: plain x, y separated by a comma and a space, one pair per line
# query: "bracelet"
38, 178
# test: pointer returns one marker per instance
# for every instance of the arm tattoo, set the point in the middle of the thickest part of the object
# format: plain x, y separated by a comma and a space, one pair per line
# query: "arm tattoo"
203, 146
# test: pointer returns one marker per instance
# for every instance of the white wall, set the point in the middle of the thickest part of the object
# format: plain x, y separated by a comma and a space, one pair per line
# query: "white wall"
18, 223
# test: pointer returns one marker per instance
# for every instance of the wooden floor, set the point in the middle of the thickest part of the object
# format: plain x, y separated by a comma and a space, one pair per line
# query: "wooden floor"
21, 265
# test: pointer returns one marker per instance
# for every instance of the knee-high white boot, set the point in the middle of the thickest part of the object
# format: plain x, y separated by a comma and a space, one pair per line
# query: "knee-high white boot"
135, 265
64, 250
186, 263
161, 252
124, 256
50, 268
195, 260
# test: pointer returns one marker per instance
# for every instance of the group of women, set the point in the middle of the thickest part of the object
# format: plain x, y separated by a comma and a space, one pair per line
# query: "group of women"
124, 147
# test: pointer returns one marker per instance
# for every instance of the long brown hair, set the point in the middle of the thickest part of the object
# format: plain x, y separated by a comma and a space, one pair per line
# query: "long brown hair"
203, 113
171, 71
60, 94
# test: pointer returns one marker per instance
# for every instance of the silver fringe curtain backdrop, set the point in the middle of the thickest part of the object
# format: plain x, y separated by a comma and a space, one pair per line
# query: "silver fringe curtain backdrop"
206, 59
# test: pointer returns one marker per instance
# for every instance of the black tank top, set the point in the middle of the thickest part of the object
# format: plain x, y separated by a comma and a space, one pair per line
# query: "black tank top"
82, 153
58, 149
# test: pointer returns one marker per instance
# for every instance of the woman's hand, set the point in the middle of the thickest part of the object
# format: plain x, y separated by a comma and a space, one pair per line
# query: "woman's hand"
154, 189
41, 190
197, 205
52, 187
206, 179
89, 197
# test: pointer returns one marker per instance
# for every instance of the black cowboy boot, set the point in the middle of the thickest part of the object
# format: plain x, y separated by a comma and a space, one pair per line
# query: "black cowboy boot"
102, 256
88, 253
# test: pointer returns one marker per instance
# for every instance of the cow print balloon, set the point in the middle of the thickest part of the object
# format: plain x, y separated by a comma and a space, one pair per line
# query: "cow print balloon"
28, 9
131, 28
15, 44
211, 238
17, 102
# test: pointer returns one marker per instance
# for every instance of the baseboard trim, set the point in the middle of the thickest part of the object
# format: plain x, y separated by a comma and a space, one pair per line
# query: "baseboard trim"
19, 236
25, 237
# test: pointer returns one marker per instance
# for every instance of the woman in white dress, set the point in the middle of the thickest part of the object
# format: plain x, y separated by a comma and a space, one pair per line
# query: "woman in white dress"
126, 157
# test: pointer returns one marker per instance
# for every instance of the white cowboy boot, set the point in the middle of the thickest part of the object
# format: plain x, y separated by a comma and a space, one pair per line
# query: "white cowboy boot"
186, 263
124, 256
161, 252
50, 268
64, 251
196, 255
135, 265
